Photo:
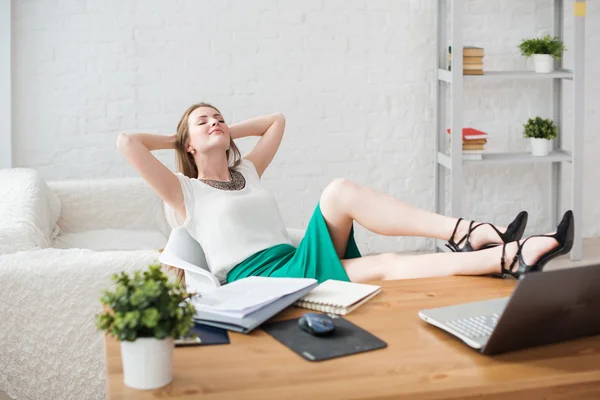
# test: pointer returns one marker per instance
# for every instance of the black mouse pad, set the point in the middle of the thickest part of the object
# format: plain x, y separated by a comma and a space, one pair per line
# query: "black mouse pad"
345, 340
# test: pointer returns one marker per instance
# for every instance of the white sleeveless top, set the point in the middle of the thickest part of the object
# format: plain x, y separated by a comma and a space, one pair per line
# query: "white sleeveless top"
232, 225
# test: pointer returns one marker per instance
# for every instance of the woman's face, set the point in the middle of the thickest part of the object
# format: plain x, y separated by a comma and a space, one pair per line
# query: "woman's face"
207, 130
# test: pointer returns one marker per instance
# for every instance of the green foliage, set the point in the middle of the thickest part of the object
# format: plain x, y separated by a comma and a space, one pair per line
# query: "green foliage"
539, 128
543, 45
145, 305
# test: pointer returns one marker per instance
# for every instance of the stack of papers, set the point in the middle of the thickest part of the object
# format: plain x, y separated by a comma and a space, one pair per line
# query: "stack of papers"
244, 304
241, 298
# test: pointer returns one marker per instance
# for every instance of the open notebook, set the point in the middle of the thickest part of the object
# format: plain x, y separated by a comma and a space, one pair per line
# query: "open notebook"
338, 297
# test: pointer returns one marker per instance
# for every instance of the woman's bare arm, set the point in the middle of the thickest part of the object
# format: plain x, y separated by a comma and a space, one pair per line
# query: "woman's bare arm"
154, 142
137, 149
270, 128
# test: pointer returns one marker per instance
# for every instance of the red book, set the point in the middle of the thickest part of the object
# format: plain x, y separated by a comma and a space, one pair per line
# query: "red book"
472, 133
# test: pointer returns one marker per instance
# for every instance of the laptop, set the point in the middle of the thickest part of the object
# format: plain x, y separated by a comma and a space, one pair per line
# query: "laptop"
545, 307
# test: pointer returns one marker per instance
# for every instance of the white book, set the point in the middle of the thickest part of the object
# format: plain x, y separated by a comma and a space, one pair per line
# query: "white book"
245, 304
244, 296
338, 297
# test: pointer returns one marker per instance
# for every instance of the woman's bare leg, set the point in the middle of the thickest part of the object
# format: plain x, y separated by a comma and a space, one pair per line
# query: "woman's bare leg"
343, 201
390, 266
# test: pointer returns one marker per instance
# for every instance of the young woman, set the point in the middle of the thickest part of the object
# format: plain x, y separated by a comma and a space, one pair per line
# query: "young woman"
218, 197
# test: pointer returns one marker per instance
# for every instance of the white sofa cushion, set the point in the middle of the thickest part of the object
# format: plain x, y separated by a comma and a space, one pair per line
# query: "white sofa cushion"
112, 239
28, 211
119, 203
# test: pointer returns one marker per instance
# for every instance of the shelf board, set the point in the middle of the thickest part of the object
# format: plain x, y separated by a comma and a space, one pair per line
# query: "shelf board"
510, 158
446, 76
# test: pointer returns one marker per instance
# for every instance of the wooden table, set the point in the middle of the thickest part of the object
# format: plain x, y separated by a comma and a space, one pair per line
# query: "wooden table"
420, 361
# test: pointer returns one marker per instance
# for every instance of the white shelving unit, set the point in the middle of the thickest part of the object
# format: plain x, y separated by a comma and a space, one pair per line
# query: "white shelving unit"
446, 76
453, 163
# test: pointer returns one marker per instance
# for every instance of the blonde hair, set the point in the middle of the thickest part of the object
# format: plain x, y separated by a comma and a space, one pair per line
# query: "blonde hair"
187, 166
185, 161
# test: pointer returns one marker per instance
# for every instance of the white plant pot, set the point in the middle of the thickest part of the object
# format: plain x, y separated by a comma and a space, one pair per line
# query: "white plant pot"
543, 63
540, 147
147, 362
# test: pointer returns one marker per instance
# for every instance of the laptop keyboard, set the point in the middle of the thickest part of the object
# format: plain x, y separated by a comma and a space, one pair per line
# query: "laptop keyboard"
474, 327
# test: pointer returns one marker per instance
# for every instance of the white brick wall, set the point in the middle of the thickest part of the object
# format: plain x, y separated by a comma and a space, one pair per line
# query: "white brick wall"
5, 86
353, 77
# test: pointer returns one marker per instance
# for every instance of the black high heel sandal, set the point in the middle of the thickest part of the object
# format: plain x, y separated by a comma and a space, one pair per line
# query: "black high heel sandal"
564, 237
514, 231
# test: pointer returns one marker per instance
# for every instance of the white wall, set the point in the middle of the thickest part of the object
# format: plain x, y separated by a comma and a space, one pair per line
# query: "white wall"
355, 79
5, 86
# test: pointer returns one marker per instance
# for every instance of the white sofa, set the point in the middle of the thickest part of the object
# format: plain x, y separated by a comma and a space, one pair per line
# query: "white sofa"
60, 243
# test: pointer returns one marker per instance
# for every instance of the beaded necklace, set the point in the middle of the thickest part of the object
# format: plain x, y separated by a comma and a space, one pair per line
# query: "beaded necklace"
237, 182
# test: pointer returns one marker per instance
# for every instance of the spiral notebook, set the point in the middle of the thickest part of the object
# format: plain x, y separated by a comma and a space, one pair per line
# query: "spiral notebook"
338, 297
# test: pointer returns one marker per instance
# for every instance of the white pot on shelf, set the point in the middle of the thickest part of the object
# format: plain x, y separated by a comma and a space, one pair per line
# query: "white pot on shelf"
147, 362
543, 63
540, 147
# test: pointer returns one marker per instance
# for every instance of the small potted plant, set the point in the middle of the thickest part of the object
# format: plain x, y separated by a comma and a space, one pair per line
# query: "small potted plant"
145, 312
541, 132
543, 50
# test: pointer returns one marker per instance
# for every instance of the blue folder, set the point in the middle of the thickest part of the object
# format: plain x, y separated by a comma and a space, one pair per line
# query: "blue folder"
202, 335
253, 320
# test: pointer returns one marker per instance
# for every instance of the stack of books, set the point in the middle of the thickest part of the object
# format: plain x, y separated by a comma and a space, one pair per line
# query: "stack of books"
473, 143
472, 60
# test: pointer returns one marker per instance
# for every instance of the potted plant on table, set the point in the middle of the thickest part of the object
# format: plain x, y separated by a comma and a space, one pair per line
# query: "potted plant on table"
541, 132
145, 312
543, 50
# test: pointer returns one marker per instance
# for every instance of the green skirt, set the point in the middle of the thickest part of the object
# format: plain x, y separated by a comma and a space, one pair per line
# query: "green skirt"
315, 257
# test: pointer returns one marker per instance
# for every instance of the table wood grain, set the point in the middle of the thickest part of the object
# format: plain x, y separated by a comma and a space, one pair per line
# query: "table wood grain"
420, 361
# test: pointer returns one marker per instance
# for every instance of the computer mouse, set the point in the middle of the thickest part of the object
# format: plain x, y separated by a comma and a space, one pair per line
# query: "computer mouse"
316, 324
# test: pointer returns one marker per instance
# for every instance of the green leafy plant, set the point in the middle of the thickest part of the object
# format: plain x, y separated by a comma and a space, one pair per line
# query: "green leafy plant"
543, 45
145, 305
539, 128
